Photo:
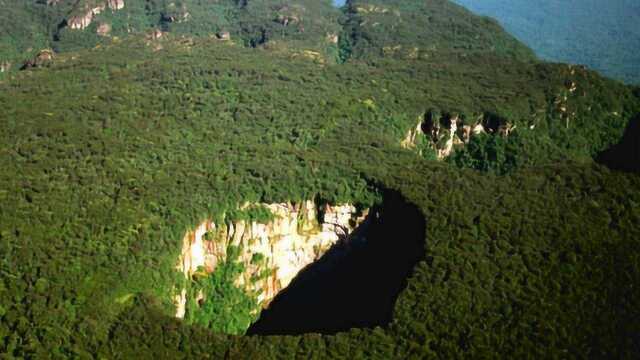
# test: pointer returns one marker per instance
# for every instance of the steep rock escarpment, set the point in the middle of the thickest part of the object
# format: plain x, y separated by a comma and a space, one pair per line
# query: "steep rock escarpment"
84, 17
443, 132
296, 236
356, 283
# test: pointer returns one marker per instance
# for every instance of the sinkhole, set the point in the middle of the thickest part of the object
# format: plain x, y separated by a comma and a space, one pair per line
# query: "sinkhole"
309, 268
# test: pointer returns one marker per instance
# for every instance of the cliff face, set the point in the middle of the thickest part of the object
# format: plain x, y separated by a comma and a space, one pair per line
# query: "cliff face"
83, 19
445, 132
288, 243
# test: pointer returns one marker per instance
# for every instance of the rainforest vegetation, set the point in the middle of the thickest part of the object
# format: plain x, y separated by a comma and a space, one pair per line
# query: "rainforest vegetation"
115, 146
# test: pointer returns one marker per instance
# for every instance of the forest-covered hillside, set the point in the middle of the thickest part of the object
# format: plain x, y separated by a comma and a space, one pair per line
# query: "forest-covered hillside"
601, 34
112, 150
69, 25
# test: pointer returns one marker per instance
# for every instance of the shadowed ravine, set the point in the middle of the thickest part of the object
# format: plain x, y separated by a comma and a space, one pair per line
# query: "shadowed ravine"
356, 283
624, 156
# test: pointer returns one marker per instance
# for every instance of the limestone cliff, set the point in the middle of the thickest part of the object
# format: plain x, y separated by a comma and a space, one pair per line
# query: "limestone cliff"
444, 132
84, 16
293, 239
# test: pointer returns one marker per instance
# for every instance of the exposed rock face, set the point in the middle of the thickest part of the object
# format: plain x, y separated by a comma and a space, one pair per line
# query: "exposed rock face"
448, 135
45, 55
287, 244
445, 132
84, 19
471, 130
223, 35
332, 38
115, 4
43, 58
103, 29
409, 140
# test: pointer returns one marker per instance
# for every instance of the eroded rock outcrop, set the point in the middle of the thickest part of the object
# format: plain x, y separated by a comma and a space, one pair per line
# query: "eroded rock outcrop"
5, 66
443, 132
83, 20
85, 16
43, 58
104, 29
223, 36
293, 239
115, 4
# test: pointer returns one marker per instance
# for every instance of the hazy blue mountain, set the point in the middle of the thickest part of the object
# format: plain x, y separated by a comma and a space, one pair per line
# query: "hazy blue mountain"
603, 35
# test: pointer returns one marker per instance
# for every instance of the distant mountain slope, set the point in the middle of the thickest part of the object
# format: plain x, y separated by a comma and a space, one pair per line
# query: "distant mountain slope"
412, 29
27, 26
603, 35
315, 29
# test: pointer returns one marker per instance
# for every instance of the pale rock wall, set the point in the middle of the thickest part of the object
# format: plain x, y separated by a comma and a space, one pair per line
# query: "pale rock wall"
5, 66
103, 29
332, 38
445, 138
409, 140
451, 138
83, 20
290, 242
115, 4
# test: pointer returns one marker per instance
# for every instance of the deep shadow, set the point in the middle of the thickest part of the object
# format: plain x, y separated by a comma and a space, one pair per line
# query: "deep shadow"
624, 156
356, 283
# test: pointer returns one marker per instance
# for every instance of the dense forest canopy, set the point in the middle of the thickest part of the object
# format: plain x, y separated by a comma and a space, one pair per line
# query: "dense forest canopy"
113, 147
601, 34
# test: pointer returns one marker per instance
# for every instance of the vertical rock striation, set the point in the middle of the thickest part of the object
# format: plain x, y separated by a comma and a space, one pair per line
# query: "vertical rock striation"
285, 245
84, 18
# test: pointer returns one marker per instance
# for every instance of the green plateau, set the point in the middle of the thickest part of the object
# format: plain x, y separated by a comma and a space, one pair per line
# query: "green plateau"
118, 137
